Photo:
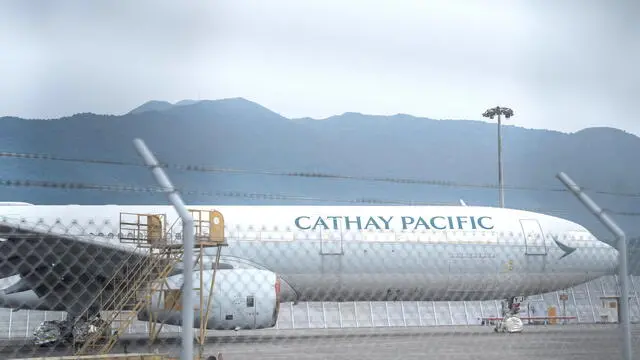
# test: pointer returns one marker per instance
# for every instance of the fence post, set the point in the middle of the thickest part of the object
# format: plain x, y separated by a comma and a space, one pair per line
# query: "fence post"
623, 271
188, 244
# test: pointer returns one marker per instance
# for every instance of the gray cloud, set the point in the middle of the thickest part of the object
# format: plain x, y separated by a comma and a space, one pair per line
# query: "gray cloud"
561, 65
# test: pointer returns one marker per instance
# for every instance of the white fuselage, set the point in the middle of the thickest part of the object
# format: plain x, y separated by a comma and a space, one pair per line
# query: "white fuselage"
368, 253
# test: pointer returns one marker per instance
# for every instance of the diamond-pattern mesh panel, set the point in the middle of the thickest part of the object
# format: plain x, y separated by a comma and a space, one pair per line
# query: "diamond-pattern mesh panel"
70, 267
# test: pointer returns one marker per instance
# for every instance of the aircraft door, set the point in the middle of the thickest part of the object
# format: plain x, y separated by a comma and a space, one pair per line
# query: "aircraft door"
216, 227
533, 237
331, 242
154, 228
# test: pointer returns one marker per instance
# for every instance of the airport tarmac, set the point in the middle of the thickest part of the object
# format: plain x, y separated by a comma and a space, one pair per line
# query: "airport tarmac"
455, 343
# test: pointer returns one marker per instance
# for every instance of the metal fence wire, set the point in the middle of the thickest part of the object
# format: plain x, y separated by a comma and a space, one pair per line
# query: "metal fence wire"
96, 280
78, 267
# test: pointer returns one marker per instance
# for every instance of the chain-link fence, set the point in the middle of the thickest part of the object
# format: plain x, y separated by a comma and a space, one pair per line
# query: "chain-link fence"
127, 261
584, 304
104, 279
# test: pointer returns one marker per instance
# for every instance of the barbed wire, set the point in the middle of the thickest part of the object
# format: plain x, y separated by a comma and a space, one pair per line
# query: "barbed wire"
321, 175
264, 196
239, 194
248, 195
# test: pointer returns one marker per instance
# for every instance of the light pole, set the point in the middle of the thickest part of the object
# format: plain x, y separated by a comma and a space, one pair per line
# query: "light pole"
491, 113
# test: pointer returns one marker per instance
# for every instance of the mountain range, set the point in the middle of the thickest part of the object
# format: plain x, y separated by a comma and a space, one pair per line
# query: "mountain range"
452, 159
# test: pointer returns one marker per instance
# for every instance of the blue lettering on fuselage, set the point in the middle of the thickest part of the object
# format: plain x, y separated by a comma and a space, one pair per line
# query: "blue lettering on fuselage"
385, 223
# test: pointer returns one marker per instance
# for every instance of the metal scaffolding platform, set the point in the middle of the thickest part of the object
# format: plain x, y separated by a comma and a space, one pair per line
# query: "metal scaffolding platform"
134, 284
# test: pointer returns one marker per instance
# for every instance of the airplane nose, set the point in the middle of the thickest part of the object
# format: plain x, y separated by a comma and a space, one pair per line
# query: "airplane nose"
603, 256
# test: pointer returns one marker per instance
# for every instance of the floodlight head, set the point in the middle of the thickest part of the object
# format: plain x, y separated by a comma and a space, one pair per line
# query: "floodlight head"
507, 112
489, 113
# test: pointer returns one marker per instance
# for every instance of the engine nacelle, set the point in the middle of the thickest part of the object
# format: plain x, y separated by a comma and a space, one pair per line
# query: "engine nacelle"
241, 298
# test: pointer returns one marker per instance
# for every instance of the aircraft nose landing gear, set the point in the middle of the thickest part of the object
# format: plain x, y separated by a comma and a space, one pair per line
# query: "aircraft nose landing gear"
511, 322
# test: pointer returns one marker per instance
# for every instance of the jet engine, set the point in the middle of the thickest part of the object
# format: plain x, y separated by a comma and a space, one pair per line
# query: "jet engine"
241, 299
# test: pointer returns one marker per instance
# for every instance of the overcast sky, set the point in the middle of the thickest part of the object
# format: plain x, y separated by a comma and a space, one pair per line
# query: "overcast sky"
561, 65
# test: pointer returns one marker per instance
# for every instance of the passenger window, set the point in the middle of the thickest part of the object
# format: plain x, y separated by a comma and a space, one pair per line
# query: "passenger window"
249, 301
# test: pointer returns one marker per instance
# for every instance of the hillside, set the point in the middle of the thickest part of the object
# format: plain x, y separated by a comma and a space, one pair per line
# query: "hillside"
239, 134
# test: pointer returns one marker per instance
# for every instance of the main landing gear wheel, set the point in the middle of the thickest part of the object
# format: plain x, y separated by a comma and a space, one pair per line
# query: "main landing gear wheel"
511, 322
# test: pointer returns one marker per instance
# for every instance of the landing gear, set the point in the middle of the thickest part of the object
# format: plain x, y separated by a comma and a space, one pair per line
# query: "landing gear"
84, 329
56, 332
53, 332
511, 322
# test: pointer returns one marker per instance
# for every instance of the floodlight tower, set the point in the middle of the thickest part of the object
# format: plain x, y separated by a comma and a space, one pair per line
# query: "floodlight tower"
491, 113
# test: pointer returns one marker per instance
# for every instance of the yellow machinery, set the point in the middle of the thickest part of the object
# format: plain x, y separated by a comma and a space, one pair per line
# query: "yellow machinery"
137, 281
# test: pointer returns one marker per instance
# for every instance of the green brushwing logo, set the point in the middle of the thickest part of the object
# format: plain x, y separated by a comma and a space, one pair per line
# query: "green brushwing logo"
567, 249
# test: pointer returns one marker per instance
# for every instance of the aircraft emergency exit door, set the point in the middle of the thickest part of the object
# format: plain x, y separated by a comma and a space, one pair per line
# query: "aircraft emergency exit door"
533, 237
331, 242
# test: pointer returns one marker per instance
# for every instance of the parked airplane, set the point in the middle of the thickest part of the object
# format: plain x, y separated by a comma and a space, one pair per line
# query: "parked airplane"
63, 254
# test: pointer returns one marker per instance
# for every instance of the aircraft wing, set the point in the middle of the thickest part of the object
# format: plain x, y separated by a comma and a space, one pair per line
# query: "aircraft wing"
65, 271
68, 271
